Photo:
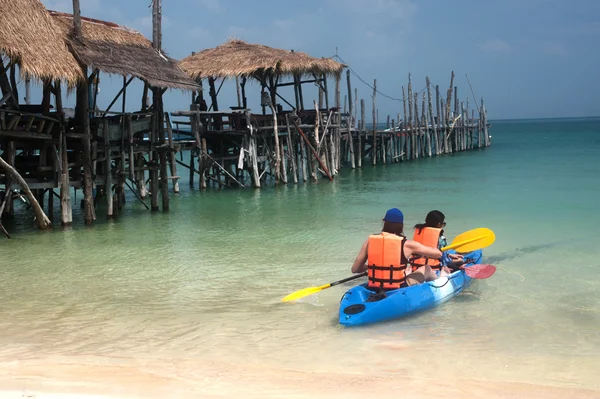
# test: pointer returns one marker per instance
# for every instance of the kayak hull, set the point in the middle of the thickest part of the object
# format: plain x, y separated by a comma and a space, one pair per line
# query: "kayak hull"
356, 309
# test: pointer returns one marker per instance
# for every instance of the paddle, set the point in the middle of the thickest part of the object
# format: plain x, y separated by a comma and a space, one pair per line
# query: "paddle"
313, 290
466, 242
472, 240
479, 271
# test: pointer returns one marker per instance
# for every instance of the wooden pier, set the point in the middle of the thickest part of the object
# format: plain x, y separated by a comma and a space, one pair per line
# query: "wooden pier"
46, 156
239, 148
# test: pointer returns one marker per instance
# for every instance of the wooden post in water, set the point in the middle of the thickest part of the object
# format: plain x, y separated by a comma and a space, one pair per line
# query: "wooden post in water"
410, 136
338, 121
350, 111
83, 115
171, 154
431, 119
447, 146
374, 145
438, 141
361, 129
486, 134
108, 171
291, 149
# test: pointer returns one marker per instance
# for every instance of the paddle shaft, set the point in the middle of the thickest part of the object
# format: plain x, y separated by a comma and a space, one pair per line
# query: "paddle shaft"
348, 279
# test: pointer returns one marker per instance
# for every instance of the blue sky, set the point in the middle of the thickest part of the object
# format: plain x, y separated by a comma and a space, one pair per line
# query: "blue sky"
528, 58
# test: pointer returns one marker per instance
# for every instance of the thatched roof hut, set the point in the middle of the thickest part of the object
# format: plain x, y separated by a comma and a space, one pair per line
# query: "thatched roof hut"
29, 36
116, 49
238, 58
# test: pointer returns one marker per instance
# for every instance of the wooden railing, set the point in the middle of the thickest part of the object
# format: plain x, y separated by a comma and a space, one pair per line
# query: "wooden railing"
20, 124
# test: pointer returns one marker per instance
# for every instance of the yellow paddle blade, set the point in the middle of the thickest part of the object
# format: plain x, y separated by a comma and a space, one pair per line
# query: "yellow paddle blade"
304, 292
472, 240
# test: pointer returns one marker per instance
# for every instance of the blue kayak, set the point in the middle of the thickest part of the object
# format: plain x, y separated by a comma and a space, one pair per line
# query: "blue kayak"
360, 306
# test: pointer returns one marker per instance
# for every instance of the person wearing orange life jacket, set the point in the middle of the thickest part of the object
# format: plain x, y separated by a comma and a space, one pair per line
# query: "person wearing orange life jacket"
385, 256
431, 234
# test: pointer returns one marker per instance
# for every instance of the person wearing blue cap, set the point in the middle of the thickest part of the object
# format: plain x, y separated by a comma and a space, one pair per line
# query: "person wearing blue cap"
378, 256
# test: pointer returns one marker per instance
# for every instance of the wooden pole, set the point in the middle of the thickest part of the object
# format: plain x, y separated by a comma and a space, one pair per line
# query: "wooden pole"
325, 169
108, 172
291, 149
253, 151
41, 219
66, 209
172, 162
350, 113
337, 131
84, 117
27, 89
374, 144
237, 88
410, 124
438, 143
361, 129
278, 154
447, 145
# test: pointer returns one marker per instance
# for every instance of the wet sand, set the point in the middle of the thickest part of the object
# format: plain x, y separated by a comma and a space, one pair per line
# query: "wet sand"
193, 379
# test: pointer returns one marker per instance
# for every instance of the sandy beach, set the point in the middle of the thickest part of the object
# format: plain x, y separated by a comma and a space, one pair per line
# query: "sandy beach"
38, 379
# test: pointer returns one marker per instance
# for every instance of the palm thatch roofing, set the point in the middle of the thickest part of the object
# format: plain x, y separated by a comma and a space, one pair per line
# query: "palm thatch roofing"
238, 58
30, 38
116, 49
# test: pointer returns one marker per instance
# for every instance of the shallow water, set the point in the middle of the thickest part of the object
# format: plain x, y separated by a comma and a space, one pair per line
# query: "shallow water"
203, 282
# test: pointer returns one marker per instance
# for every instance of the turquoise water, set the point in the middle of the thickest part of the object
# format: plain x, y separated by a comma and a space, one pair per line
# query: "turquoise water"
203, 282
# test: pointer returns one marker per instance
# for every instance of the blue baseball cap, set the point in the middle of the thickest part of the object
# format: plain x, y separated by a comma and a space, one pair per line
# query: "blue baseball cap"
394, 215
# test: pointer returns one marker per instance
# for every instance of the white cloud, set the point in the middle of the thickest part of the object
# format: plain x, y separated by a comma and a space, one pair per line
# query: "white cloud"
496, 46
555, 48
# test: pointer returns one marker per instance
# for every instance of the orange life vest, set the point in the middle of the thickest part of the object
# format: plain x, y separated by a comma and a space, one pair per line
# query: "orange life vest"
428, 236
386, 261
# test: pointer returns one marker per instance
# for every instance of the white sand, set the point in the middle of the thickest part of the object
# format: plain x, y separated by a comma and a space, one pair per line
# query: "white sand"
38, 380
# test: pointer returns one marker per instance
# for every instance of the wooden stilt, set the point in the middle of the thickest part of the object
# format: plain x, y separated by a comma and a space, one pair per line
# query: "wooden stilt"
171, 155
66, 209
291, 149
108, 172
374, 144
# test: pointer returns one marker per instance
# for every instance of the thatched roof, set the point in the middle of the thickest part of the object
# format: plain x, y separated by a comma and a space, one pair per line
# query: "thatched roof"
237, 58
112, 48
30, 37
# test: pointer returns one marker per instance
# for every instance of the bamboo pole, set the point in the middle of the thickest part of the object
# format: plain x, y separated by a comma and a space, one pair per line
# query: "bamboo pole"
172, 164
253, 153
410, 119
276, 137
438, 142
309, 145
108, 171
338, 131
66, 209
447, 146
291, 149
350, 113
361, 129
374, 145
431, 119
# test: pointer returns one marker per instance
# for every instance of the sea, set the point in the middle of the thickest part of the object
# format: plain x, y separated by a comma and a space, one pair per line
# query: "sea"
187, 303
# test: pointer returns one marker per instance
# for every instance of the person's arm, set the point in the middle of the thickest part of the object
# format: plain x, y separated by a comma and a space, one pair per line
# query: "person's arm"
360, 264
415, 248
